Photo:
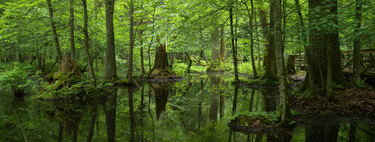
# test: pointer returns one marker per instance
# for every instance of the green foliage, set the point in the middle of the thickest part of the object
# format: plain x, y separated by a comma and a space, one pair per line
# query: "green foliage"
179, 68
18, 78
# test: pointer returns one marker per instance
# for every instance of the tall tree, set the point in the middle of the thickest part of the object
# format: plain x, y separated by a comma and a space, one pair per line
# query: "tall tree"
71, 26
131, 44
87, 44
251, 17
54, 33
284, 111
234, 50
357, 43
323, 52
110, 67
215, 49
269, 61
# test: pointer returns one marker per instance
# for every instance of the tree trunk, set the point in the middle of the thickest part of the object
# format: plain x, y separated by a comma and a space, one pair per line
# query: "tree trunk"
215, 50
251, 16
190, 62
323, 53
71, 26
270, 58
131, 106
222, 44
284, 111
234, 50
161, 67
54, 33
131, 44
141, 50
87, 44
110, 67
110, 116
357, 44
269, 54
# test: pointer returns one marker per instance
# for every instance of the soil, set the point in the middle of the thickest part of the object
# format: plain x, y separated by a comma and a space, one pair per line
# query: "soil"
351, 102
257, 124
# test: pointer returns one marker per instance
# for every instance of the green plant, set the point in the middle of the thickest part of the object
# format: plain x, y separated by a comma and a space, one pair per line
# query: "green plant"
17, 79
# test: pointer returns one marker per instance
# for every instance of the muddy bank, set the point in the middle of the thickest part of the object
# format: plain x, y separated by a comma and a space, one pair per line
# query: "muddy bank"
351, 102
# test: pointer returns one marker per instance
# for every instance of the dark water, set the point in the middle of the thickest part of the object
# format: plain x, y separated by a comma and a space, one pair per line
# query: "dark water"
198, 110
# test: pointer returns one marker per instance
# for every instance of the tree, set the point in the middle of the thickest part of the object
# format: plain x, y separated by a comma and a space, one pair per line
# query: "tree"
87, 44
251, 16
54, 33
131, 44
323, 53
71, 26
234, 48
110, 67
269, 61
284, 109
357, 44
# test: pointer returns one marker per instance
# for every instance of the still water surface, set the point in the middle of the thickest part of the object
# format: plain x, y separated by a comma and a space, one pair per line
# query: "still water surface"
195, 110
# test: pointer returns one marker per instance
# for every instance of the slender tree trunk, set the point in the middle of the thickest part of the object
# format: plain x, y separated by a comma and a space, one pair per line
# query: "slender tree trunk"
284, 111
87, 44
110, 67
251, 16
71, 26
234, 50
141, 50
203, 53
131, 44
357, 44
54, 33
257, 39
131, 112
222, 44
93, 113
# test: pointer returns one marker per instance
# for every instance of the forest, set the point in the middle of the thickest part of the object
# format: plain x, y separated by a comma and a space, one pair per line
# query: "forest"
187, 70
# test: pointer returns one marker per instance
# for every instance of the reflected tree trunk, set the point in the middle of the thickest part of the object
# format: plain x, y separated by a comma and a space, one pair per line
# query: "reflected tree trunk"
353, 132
131, 114
161, 90
61, 131
319, 132
110, 116
93, 112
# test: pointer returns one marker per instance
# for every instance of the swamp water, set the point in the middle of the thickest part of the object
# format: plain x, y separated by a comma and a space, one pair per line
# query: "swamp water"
198, 110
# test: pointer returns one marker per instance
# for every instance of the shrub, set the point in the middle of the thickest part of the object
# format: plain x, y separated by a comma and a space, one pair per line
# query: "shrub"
16, 79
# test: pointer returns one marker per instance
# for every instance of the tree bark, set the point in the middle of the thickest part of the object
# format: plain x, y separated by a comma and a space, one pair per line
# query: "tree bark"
215, 49
87, 44
323, 53
284, 111
269, 54
131, 44
357, 44
222, 44
54, 33
251, 16
110, 67
234, 50
71, 26
270, 58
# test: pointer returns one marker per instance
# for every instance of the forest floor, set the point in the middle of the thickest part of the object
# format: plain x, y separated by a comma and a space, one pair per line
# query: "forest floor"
350, 102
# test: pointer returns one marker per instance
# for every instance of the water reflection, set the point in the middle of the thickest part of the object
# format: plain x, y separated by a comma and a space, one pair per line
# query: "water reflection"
110, 115
190, 110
